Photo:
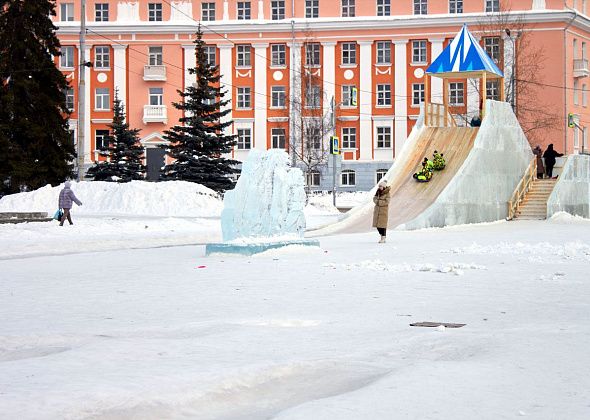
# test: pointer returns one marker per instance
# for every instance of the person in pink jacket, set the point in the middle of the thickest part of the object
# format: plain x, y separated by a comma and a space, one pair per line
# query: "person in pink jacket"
66, 198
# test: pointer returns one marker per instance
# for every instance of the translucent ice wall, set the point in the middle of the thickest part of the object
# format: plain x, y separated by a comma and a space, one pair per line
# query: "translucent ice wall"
267, 201
572, 190
483, 185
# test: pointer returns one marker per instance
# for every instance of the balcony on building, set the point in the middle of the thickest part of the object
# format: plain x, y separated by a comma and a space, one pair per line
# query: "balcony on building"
154, 73
581, 67
155, 114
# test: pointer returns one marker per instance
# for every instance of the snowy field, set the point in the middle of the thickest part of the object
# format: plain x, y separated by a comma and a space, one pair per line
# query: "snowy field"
122, 317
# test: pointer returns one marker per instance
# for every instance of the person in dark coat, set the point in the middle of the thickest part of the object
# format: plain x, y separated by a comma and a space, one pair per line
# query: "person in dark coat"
381, 211
540, 167
66, 198
550, 156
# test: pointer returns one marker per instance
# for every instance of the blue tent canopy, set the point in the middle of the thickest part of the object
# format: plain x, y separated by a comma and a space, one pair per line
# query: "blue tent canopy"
464, 55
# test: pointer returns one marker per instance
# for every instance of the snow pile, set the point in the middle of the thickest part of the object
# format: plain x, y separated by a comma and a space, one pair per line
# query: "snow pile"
137, 198
563, 218
539, 252
378, 265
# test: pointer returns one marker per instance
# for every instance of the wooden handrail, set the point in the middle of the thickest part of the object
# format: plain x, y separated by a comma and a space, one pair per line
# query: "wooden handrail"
521, 189
435, 116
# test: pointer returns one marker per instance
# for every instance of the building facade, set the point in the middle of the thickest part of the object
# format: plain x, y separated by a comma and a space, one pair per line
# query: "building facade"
289, 65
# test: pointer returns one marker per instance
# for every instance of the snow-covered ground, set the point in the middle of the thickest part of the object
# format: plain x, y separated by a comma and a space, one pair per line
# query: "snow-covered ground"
297, 333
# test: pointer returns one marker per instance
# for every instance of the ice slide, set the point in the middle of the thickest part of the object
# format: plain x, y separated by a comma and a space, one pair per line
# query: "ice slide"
484, 165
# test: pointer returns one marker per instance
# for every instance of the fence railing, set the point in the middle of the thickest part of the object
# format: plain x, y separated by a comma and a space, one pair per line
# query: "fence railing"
522, 188
435, 116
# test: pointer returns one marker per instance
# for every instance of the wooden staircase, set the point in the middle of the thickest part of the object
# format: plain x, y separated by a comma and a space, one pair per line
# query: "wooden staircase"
534, 205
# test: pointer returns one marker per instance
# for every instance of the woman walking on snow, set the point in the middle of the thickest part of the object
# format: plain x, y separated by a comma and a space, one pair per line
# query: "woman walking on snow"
381, 211
66, 197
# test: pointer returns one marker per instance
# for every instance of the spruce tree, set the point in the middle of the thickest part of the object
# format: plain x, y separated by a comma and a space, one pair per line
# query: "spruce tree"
197, 144
122, 150
36, 147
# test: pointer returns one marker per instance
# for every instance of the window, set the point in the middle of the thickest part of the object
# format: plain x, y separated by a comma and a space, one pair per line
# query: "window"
456, 94
277, 10
211, 54
243, 55
101, 139
102, 99
492, 5
576, 92
349, 137
155, 12
313, 178
492, 48
155, 56
312, 96
69, 94
244, 98
208, 11
278, 96
384, 95
102, 57
455, 6
417, 93
493, 90
347, 95
278, 55
244, 10
312, 8
347, 178
313, 137
419, 52
312, 54
156, 96
584, 96
244, 138
584, 50
348, 8
384, 137
349, 53
101, 12
383, 8
384, 52
379, 174
66, 60
420, 7
66, 12
277, 136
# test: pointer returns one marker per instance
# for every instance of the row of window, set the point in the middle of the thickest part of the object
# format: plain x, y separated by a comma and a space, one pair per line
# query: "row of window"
347, 177
277, 9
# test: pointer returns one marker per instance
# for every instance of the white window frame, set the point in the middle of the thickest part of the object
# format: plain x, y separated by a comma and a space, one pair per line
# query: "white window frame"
383, 7
156, 96
346, 97
348, 52
492, 48
420, 7
243, 55
419, 51
277, 9
101, 12
313, 136
278, 136
278, 54
312, 9
102, 57
455, 6
492, 6
208, 11
100, 136
66, 12
70, 99
278, 97
211, 54
418, 93
384, 137
313, 97
348, 178
312, 54
456, 94
67, 58
155, 55
349, 138
379, 174
313, 178
244, 97
348, 8
102, 99
493, 90
576, 92
244, 140
384, 95
155, 12
584, 95
383, 55
244, 10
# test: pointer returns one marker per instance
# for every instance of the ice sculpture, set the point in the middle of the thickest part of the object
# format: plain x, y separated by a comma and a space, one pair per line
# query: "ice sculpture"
267, 201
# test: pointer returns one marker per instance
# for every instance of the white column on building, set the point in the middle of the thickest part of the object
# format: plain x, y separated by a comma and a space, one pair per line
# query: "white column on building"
225, 10
436, 83
538, 5
225, 70
120, 71
190, 62
508, 42
401, 94
89, 100
259, 95
295, 75
260, 10
365, 100
329, 69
